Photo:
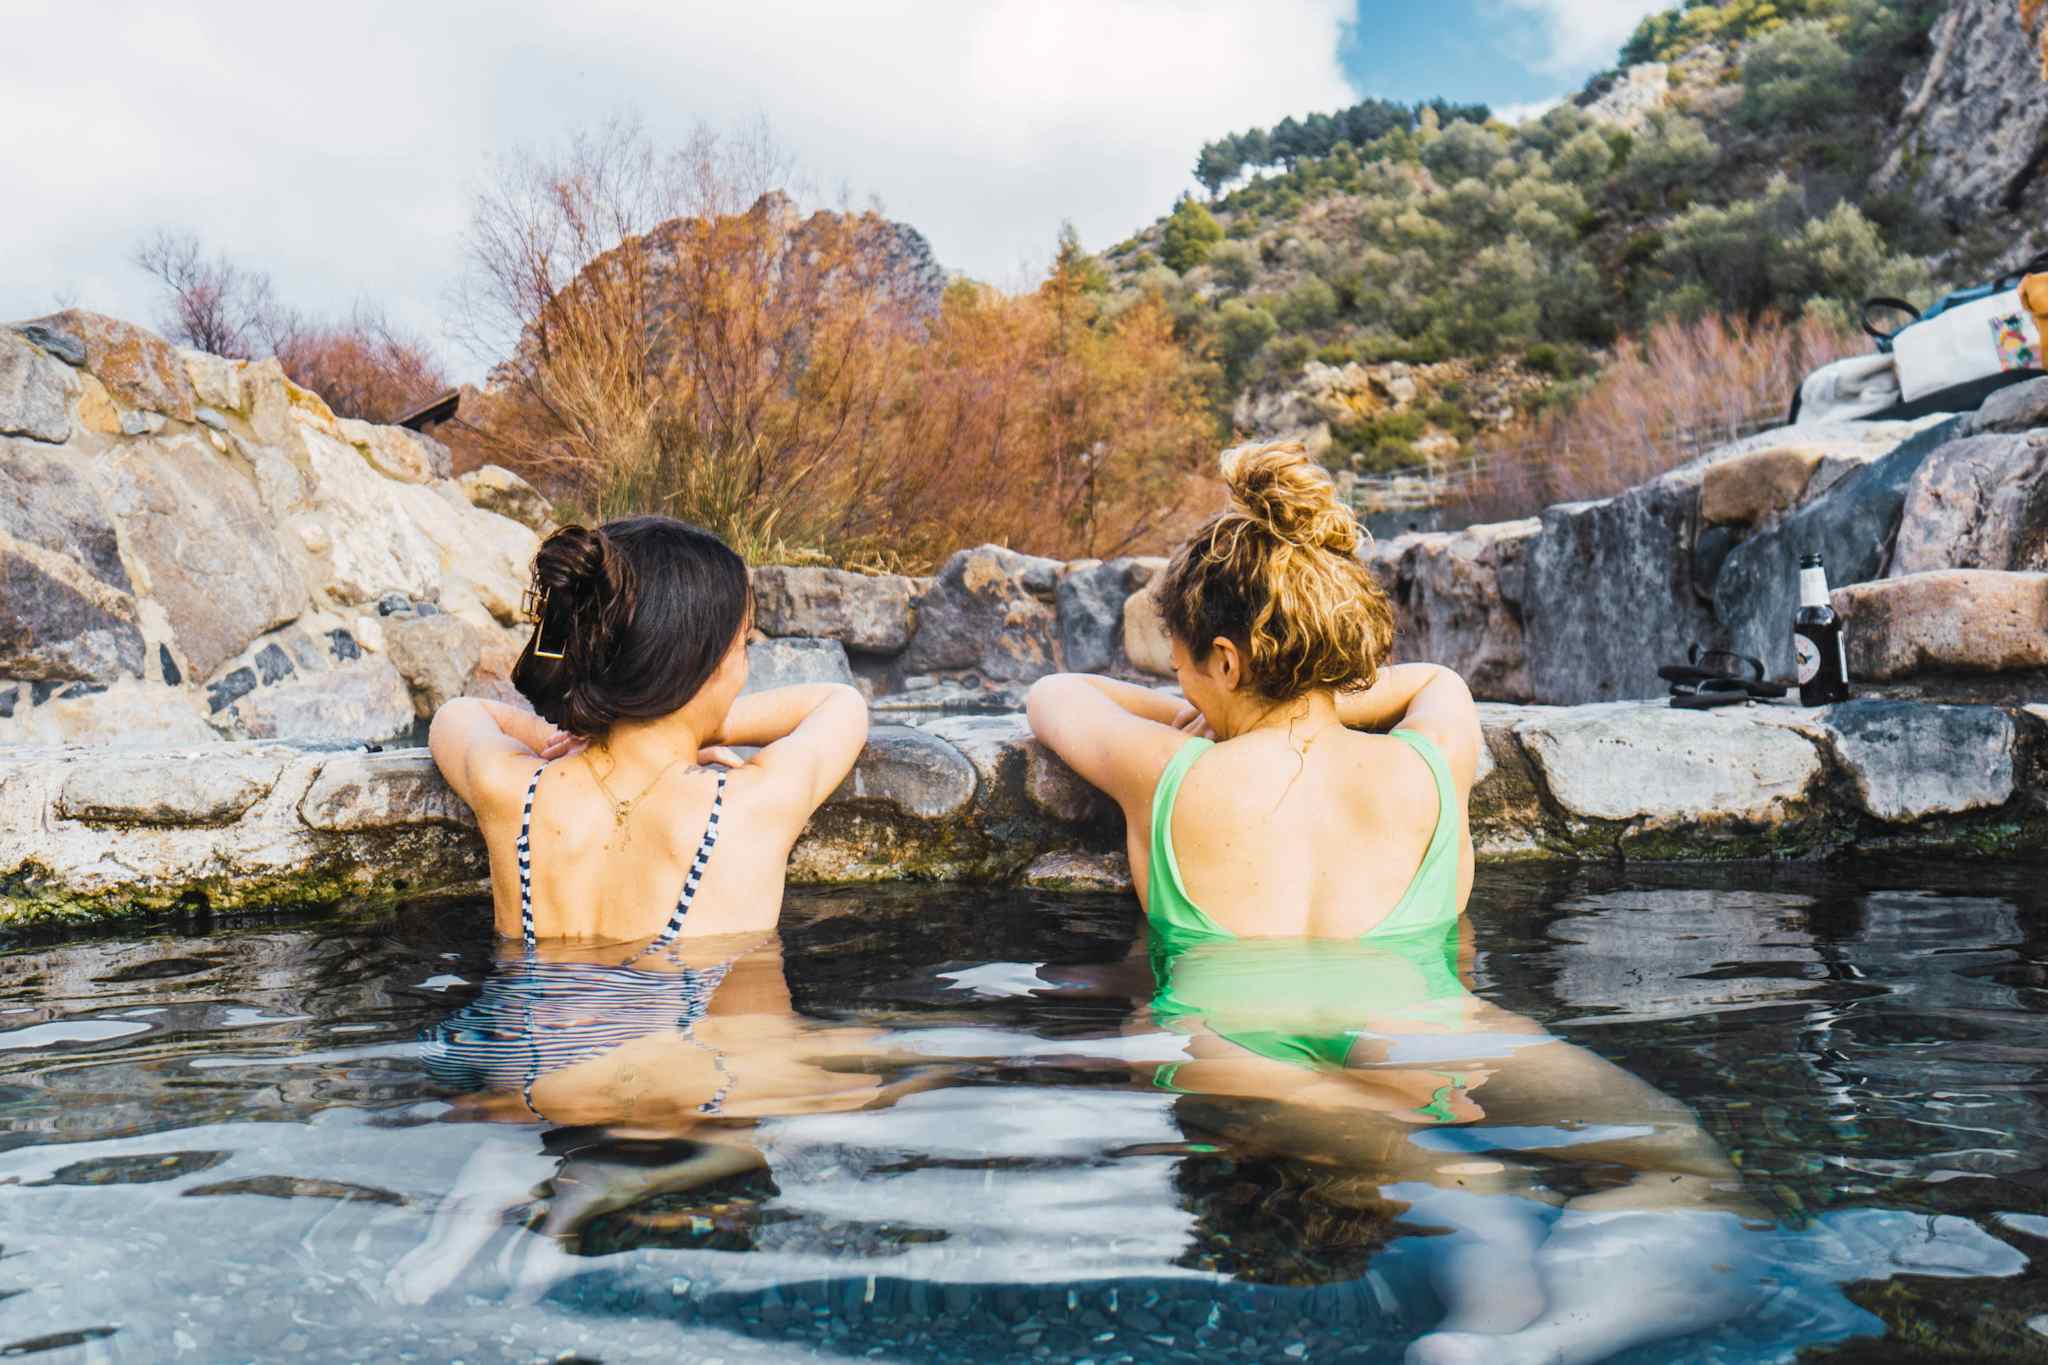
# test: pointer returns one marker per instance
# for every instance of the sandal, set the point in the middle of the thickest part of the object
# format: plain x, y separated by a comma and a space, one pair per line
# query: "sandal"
1722, 666
1715, 692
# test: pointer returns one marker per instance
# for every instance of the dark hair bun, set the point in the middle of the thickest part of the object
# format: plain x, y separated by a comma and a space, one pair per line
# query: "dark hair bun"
641, 612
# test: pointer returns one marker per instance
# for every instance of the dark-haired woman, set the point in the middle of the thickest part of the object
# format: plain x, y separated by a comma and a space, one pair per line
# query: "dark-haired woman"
1299, 836
637, 864
618, 814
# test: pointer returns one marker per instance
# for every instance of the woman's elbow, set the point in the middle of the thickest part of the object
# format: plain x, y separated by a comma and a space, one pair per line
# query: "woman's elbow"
1043, 700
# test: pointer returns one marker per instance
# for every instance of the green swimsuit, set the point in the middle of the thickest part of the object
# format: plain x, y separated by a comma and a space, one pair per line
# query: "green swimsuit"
1299, 1000
1431, 900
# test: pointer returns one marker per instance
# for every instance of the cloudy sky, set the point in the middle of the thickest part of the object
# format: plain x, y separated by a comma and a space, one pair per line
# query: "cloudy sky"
338, 147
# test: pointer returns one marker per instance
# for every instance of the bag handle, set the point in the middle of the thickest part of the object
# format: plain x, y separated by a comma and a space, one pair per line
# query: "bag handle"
1889, 305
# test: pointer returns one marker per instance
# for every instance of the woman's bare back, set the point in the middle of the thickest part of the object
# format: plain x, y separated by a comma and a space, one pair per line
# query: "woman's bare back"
1270, 840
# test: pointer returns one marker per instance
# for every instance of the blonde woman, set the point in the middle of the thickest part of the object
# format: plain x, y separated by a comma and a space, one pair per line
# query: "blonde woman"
1260, 805
1299, 839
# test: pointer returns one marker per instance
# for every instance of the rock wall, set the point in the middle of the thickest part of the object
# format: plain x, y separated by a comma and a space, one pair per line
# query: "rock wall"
193, 548
1584, 603
1973, 140
258, 826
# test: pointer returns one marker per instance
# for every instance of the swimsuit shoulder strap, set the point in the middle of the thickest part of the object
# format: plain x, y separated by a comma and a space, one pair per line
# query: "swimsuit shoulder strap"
525, 852
696, 872
1167, 901
1432, 896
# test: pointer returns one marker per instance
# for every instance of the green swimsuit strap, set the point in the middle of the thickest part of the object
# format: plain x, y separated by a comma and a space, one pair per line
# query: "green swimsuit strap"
1167, 902
1432, 897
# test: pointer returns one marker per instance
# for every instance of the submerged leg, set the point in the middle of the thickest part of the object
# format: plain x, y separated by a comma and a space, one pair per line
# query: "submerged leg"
1484, 1267
1619, 1276
502, 1172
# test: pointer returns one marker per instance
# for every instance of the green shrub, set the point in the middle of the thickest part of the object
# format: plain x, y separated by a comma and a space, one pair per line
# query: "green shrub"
1191, 233
1798, 74
1559, 362
1241, 329
1307, 306
1672, 153
1234, 263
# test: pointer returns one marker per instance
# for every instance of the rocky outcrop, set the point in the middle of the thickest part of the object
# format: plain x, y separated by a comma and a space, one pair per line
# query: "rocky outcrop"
862, 611
194, 546
257, 826
1972, 142
1458, 600
990, 612
1978, 503
1946, 620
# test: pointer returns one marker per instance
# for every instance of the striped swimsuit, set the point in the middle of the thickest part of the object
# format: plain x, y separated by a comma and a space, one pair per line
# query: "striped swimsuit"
533, 1017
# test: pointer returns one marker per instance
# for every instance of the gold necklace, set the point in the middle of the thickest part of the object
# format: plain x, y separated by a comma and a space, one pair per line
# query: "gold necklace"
621, 810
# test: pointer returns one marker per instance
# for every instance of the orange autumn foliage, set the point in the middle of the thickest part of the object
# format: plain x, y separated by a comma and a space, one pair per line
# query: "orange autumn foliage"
690, 344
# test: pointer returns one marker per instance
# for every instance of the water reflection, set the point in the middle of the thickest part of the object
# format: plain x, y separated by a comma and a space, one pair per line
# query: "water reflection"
993, 1127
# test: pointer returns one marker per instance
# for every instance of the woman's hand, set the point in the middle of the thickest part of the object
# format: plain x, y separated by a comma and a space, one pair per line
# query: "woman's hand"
560, 745
1190, 721
717, 755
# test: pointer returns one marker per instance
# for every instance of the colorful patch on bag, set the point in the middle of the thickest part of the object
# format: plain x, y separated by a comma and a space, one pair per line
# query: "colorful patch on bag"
2016, 349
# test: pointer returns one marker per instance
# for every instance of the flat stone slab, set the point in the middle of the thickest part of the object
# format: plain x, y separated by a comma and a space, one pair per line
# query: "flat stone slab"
148, 791
1664, 767
86, 836
1945, 620
1908, 761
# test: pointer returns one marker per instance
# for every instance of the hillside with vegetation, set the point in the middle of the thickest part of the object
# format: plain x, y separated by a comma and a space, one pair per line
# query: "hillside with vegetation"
1412, 284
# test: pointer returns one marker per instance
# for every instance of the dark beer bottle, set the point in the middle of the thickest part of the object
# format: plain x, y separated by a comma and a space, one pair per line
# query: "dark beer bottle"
1817, 639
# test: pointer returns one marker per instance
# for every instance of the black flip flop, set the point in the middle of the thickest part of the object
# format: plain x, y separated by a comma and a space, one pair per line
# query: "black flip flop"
1722, 666
1713, 693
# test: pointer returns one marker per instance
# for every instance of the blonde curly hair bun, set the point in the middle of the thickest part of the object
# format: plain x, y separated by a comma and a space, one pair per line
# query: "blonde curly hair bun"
1278, 575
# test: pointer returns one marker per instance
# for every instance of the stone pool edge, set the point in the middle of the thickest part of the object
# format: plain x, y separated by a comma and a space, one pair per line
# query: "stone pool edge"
88, 836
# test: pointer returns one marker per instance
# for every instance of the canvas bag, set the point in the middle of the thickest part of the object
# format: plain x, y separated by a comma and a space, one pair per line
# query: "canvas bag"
1973, 341
1970, 337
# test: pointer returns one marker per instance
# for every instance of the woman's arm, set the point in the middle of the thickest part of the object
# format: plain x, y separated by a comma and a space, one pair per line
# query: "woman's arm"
1428, 699
475, 742
1117, 736
812, 733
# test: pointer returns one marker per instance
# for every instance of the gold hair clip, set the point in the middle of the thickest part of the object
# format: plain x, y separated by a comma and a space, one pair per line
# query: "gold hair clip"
534, 605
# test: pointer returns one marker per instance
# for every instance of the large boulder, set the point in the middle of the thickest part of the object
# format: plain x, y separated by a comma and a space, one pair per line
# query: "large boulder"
1977, 503
1967, 146
1090, 599
35, 392
437, 654
362, 701
67, 605
1944, 621
397, 453
785, 663
192, 522
1611, 593
1457, 600
2021, 407
869, 612
139, 369
1148, 646
1756, 485
988, 611
1851, 525
501, 491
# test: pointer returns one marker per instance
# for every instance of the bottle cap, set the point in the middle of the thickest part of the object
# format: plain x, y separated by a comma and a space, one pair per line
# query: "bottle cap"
1809, 561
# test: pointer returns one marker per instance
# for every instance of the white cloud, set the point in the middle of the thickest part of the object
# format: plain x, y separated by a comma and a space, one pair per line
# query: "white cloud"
339, 152
1516, 114
1584, 35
